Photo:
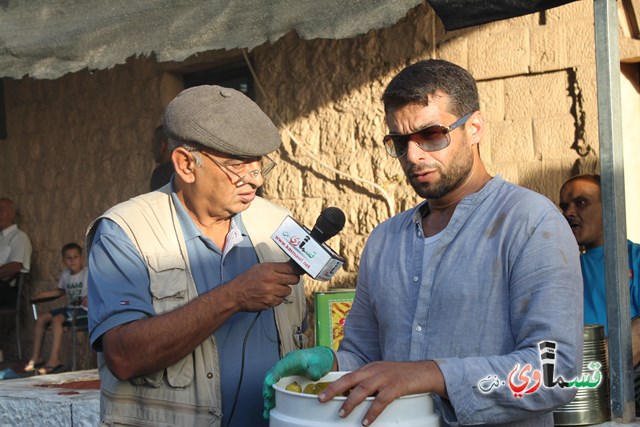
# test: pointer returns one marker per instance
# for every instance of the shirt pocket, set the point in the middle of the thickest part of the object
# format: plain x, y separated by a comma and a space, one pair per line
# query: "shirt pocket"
168, 281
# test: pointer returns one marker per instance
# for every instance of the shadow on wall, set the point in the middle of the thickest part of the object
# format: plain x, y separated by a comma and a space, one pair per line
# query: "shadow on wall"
548, 181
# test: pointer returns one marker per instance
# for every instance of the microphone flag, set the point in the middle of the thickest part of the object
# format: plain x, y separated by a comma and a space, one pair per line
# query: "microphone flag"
317, 259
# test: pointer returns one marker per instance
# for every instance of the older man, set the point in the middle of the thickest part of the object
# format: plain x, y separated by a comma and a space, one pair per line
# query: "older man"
580, 201
468, 285
15, 247
186, 288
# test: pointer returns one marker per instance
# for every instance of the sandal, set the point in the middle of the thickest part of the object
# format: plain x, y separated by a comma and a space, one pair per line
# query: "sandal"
46, 370
32, 366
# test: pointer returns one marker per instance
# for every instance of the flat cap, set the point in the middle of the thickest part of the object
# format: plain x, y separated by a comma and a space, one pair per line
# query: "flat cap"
223, 119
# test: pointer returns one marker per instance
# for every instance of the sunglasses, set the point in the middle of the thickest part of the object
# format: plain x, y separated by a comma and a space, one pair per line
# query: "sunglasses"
431, 138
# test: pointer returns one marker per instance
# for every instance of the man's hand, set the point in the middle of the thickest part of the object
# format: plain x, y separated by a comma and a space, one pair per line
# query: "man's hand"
313, 363
387, 381
263, 286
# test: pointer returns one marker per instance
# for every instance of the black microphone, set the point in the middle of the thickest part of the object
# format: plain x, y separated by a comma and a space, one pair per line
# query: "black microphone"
329, 223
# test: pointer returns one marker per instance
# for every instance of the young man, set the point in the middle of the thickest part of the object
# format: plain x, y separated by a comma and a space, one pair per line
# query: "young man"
580, 201
73, 283
186, 287
468, 285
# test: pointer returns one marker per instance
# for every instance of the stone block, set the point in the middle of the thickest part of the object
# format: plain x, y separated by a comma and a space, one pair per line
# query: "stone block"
581, 39
539, 95
553, 137
454, 50
629, 50
549, 45
512, 141
492, 98
502, 54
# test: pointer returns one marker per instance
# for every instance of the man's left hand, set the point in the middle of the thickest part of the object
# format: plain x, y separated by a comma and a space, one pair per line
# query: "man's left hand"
387, 381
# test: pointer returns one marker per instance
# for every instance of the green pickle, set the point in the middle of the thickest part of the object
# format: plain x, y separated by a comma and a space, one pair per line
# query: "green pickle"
311, 388
295, 387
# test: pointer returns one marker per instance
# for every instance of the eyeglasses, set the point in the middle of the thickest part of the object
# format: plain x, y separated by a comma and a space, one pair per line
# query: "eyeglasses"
238, 169
431, 138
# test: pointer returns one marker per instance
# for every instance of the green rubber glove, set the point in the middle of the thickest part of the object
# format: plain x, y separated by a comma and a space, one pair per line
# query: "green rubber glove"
313, 363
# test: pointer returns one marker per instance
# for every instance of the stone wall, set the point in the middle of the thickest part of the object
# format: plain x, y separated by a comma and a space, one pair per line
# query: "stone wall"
79, 144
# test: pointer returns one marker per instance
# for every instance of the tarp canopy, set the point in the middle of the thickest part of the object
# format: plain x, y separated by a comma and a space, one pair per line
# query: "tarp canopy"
456, 14
48, 38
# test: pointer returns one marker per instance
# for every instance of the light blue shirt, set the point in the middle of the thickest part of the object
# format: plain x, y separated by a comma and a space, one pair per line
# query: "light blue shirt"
595, 305
504, 276
117, 272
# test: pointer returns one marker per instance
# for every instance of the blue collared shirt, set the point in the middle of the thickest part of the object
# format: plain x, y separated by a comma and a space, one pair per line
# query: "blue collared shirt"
117, 272
504, 276
595, 305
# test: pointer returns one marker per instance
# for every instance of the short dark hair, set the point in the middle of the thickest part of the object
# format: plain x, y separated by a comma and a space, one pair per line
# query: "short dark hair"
591, 177
70, 246
158, 141
418, 81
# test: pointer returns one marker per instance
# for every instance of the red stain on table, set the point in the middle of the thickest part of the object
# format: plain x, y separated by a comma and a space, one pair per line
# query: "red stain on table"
76, 385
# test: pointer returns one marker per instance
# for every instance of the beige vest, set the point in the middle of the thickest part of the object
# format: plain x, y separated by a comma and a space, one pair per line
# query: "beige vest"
188, 392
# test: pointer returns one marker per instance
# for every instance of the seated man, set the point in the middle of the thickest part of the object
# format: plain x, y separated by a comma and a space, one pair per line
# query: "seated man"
15, 249
581, 206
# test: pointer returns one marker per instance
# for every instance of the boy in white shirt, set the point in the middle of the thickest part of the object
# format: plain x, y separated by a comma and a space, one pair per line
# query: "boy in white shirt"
73, 282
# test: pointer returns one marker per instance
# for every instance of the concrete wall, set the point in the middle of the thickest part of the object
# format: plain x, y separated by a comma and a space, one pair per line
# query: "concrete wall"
80, 144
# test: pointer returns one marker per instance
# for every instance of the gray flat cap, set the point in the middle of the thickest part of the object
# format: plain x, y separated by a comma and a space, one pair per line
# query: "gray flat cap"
223, 119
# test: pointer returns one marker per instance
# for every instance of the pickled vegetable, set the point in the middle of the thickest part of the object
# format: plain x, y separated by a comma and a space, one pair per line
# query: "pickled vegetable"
295, 387
311, 388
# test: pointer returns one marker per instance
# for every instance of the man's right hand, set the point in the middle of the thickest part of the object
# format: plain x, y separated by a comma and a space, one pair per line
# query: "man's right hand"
264, 285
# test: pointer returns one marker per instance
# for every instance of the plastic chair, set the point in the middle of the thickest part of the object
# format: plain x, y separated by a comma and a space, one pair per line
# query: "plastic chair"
78, 323
10, 298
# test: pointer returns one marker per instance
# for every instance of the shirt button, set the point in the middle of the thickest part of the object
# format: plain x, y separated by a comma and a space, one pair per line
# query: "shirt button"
418, 328
209, 375
416, 278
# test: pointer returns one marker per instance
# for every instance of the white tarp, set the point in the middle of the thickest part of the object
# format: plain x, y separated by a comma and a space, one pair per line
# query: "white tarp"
48, 38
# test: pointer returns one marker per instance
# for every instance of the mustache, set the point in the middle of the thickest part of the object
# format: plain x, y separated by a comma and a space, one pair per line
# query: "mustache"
422, 167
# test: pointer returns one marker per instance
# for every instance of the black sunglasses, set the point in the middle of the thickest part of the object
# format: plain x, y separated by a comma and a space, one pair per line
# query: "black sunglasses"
431, 138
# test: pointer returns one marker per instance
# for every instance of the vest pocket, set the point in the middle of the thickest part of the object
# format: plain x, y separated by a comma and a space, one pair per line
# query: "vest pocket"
168, 277
179, 375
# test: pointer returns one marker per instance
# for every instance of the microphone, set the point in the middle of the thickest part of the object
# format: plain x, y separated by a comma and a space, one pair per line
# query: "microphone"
329, 223
307, 250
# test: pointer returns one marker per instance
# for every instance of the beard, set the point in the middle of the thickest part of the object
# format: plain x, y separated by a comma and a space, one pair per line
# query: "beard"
450, 179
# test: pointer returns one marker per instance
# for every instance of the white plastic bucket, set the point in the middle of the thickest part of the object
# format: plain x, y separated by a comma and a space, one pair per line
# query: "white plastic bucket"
304, 410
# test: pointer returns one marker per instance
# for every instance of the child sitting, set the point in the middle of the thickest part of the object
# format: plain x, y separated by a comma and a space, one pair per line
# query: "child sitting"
73, 282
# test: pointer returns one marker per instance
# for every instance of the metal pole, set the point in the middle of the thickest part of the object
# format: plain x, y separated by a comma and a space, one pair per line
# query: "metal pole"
613, 210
